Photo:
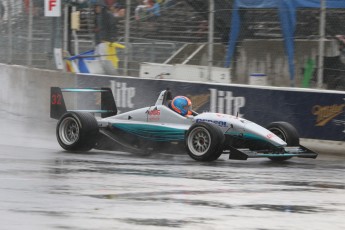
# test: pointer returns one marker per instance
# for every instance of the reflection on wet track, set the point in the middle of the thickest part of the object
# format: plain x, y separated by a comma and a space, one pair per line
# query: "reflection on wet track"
43, 187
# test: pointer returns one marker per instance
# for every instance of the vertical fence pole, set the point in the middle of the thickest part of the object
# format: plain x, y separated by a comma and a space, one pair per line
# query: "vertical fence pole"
10, 32
321, 43
75, 35
127, 34
65, 28
210, 38
29, 37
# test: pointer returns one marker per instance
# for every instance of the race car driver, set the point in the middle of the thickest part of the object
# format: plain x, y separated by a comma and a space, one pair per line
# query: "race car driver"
181, 105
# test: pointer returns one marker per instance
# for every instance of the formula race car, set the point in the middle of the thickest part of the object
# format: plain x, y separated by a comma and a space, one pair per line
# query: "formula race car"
203, 136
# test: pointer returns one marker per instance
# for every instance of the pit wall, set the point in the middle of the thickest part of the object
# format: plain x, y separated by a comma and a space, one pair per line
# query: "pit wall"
317, 114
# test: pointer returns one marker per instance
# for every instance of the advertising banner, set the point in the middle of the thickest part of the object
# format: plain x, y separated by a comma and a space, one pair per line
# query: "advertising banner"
315, 114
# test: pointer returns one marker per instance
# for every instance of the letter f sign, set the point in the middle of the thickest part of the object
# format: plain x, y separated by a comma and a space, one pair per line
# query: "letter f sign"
52, 8
52, 4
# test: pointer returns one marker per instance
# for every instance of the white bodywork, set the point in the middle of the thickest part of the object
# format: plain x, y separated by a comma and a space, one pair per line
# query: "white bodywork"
159, 116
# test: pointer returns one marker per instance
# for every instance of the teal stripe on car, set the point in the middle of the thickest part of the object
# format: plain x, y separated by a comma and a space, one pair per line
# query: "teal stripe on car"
153, 132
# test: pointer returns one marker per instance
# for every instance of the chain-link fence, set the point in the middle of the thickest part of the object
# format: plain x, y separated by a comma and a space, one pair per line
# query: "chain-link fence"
182, 39
27, 38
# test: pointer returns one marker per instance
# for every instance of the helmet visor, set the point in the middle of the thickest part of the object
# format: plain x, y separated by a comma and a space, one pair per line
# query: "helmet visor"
187, 107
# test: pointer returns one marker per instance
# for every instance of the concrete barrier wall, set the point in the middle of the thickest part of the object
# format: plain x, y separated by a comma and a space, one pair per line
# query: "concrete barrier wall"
26, 91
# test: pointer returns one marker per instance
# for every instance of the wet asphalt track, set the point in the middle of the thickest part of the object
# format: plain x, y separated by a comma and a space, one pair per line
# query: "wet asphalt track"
43, 187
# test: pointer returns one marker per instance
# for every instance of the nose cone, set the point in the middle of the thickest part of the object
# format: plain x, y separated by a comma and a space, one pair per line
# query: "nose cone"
260, 133
274, 139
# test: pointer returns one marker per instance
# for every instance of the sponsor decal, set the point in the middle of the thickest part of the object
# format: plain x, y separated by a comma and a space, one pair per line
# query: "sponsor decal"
225, 102
219, 123
154, 115
325, 114
155, 112
270, 135
123, 95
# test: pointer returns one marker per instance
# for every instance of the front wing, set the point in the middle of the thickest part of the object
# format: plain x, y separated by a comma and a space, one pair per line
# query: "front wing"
296, 151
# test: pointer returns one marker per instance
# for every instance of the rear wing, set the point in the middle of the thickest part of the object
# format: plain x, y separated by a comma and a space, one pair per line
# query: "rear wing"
58, 106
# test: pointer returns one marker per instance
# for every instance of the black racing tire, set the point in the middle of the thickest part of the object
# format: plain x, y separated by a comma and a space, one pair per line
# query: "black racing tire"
287, 133
77, 131
204, 141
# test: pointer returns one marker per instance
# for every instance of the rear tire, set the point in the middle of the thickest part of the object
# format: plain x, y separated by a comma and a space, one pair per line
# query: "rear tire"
77, 131
204, 141
287, 133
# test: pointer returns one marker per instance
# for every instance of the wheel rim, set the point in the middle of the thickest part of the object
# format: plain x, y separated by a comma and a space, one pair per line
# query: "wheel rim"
280, 133
199, 141
69, 131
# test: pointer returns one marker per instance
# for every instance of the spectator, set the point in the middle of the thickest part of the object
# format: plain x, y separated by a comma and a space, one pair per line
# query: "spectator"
118, 10
105, 37
105, 24
141, 8
154, 11
150, 3
154, 14
110, 3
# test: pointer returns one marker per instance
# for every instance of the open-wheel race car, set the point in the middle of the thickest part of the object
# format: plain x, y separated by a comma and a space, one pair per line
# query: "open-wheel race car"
205, 136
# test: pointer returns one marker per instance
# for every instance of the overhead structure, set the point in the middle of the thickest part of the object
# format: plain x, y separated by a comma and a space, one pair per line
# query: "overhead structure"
287, 16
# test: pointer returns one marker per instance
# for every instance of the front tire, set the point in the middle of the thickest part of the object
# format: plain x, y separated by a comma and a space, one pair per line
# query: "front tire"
77, 131
204, 141
287, 133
